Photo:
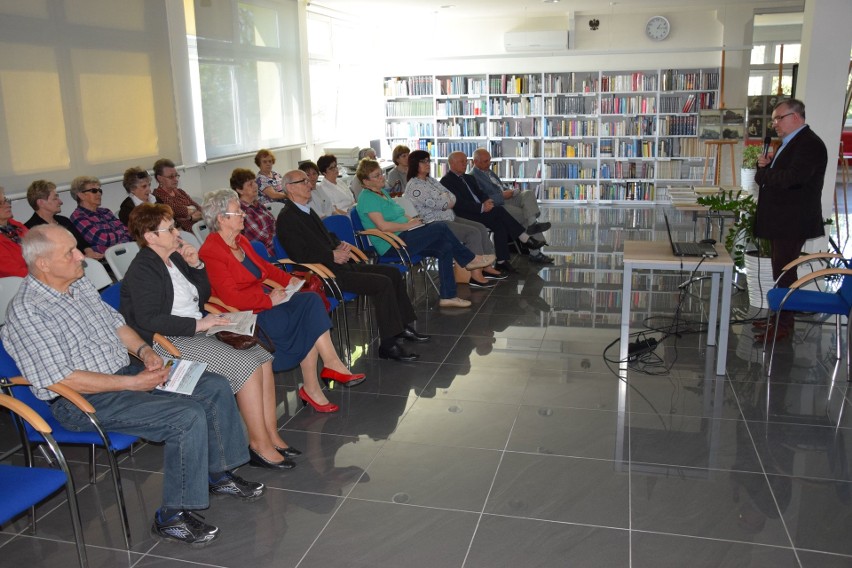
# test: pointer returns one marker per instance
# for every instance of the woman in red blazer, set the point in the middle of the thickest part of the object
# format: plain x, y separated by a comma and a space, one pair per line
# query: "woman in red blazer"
11, 261
298, 327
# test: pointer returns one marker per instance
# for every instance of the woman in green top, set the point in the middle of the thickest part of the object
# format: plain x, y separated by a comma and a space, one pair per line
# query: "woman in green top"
377, 210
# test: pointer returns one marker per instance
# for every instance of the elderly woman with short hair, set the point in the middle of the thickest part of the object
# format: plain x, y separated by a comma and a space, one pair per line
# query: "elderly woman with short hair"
164, 291
42, 197
340, 196
259, 222
11, 233
397, 177
98, 225
270, 186
298, 326
137, 183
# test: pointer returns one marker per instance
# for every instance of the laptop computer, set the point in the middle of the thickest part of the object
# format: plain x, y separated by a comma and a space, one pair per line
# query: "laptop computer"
689, 249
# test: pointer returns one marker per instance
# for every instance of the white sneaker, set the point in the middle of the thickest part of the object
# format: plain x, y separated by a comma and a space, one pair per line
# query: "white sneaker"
454, 303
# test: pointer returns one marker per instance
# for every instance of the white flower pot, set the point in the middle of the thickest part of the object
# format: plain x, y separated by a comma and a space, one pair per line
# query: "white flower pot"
759, 278
747, 181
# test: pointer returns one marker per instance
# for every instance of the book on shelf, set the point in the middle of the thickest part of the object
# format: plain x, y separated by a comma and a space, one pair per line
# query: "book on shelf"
690, 102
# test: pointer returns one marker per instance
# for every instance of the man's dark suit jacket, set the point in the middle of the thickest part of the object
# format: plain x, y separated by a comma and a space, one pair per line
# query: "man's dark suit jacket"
466, 207
790, 203
305, 237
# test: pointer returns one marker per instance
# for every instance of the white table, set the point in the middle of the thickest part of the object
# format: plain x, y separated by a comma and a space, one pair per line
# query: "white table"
645, 255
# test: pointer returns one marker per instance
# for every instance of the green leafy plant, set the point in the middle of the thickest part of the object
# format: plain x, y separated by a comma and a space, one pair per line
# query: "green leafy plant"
740, 237
750, 156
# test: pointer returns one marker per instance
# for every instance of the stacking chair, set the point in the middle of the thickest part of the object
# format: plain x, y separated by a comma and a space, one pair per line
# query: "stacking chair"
200, 230
836, 300
261, 251
22, 488
275, 208
120, 256
8, 288
96, 273
190, 239
18, 387
111, 295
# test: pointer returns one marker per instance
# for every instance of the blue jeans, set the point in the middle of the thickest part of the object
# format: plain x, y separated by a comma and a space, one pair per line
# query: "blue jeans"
202, 432
436, 239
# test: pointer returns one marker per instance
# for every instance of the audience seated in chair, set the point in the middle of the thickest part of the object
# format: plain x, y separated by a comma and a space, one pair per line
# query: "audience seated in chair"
398, 177
306, 239
98, 225
259, 221
11, 233
186, 210
269, 185
355, 184
42, 197
137, 182
330, 190
203, 437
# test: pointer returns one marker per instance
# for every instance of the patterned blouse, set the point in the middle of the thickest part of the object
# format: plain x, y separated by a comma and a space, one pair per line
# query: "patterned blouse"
275, 181
101, 228
179, 203
433, 201
259, 224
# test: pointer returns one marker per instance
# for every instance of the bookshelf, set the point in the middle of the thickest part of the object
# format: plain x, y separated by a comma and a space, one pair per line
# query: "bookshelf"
600, 136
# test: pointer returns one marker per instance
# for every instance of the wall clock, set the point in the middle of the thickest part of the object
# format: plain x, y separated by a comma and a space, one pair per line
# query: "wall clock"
658, 28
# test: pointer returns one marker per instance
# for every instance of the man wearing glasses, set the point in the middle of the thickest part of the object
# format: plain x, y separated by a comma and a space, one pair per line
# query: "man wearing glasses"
98, 225
186, 210
789, 211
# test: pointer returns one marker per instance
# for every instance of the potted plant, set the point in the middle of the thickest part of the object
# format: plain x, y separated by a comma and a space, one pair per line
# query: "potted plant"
749, 168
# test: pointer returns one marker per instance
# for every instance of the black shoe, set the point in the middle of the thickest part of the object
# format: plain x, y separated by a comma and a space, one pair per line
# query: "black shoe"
534, 244
233, 485
184, 527
505, 268
409, 334
537, 227
257, 460
288, 452
397, 353
540, 259
501, 276
484, 284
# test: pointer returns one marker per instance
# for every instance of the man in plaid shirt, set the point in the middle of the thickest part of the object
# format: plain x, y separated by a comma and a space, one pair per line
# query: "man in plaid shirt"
98, 225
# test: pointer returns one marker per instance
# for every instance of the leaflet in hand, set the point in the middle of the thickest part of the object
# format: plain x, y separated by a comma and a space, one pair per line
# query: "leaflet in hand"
293, 286
183, 375
242, 323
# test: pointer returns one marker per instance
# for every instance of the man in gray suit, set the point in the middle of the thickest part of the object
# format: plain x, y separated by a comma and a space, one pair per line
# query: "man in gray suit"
521, 204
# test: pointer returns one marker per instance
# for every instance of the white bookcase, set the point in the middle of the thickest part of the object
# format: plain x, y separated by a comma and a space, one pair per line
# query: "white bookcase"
600, 136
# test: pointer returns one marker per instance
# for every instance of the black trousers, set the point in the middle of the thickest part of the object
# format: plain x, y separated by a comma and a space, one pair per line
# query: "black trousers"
783, 252
504, 227
385, 286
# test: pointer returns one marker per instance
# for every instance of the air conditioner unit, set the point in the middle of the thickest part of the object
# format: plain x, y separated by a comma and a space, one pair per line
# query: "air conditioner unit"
556, 40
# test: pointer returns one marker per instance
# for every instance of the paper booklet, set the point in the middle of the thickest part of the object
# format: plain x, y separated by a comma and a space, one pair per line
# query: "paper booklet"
242, 323
183, 375
294, 286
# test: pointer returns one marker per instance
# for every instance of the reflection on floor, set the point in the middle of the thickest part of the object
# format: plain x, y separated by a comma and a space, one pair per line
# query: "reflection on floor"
512, 443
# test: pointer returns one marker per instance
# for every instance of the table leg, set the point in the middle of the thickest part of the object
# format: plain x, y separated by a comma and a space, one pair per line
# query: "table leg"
714, 309
626, 287
724, 321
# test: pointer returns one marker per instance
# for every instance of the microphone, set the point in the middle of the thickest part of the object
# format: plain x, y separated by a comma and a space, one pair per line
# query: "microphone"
767, 142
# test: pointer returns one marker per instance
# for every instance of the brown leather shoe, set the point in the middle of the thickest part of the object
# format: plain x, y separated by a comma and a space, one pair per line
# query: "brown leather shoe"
783, 333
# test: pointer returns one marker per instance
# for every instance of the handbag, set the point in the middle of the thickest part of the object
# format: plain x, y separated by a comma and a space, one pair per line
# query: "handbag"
239, 341
313, 284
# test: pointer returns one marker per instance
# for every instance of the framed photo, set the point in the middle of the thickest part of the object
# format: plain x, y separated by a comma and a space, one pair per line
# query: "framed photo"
733, 116
708, 117
709, 132
732, 131
756, 105
756, 127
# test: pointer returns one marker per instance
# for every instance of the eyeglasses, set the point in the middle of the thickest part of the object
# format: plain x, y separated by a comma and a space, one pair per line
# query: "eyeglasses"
334, 167
173, 176
170, 228
93, 190
426, 161
377, 175
297, 182
5, 201
234, 213
780, 118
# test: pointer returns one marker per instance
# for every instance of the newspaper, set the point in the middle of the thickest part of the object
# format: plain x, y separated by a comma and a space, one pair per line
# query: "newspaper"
183, 375
242, 323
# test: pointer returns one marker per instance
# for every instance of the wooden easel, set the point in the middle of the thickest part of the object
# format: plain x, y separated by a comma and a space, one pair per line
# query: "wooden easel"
715, 147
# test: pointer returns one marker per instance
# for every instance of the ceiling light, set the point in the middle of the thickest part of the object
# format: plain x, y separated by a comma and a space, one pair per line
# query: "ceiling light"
550, 1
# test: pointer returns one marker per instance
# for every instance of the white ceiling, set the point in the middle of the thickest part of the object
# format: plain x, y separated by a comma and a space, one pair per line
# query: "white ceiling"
528, 8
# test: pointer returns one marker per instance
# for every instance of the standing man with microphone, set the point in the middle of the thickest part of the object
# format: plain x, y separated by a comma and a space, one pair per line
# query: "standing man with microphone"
789, 210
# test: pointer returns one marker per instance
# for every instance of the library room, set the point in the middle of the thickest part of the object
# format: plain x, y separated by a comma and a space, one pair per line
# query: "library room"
564, 282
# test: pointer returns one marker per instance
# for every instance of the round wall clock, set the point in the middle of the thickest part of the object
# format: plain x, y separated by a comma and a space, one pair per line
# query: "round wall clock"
658, 28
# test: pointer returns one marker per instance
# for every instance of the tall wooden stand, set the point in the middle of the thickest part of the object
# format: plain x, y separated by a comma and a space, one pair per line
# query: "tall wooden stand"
712, 147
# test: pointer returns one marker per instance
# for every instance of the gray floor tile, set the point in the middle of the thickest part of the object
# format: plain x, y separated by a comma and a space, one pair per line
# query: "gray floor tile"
820, 560
669, 551
393, 377
565, 431
558, 488
816, 512
594, 391
507, 541
49, 553
370, 414
486, 385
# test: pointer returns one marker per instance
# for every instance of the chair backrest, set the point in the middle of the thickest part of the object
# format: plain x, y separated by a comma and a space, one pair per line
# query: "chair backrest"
261, 251
96, 273
341, 225
190, 239
275, 208
112, 295
845, 290
120, 256
8, 288
200, 230
362, 242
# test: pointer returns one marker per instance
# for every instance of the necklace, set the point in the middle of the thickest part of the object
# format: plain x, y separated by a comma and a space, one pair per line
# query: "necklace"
234, 247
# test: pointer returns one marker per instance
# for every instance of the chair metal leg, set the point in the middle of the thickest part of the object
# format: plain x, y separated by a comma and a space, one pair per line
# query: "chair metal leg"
92, 463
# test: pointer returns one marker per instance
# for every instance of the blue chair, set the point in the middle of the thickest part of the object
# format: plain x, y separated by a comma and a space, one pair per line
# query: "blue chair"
113, 442
261, 251
111, 295
22, 488
794, 298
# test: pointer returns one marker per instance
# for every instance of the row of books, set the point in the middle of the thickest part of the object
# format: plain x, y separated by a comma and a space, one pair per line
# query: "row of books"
627, 148
628, 82
628, 105
628, 191
460, 85
637, 126
677, 169
570, 83
408, 108
409, 129
515, 84
462, 127
524, 106
689, 81
677, 125
568, 170
506, 128
570, 105
516, 149
679, 147
580, 191
470, 107
409, 86
627, 170
570, 127
569, 150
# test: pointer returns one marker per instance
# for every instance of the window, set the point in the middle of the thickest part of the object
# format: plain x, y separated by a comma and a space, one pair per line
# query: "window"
763, 77
85, 89
250, 89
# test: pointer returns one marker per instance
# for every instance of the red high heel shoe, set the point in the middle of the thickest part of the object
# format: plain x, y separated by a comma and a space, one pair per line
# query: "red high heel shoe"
306, 400
342, 378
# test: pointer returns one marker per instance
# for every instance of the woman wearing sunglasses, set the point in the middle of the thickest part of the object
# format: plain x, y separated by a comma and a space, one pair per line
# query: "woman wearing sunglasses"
98, 225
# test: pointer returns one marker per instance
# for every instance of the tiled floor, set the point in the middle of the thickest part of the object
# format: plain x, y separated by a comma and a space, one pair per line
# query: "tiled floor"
505, 445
